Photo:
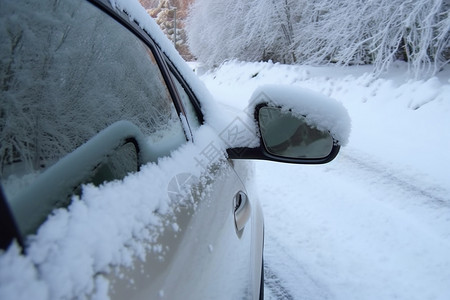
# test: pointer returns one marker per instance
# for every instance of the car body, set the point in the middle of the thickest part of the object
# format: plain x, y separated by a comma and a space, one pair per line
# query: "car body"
121, 178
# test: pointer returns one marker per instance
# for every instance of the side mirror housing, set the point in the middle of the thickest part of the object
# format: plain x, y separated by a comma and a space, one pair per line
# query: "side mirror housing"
303, 131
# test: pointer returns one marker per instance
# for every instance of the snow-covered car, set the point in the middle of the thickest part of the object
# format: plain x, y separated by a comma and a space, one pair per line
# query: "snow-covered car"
120, 176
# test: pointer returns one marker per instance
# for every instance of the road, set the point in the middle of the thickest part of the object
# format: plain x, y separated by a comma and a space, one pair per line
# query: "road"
375, 222
356, 228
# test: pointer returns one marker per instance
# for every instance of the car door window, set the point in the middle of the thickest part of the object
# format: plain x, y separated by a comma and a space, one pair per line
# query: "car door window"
68, 71
191, 112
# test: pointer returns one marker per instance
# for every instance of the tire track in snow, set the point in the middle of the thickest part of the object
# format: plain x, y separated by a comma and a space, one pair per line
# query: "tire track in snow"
435, 195
413, 194
415, 197
285, 278
274, 284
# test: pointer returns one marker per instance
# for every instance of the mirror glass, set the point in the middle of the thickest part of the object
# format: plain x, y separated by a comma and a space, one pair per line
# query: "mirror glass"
288, 136
120, 163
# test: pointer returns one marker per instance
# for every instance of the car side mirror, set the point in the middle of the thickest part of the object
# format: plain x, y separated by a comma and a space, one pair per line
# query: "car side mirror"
288, 138
306, 131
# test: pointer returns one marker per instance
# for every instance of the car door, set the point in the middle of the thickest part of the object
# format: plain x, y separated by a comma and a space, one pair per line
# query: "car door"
215, 250
85, 89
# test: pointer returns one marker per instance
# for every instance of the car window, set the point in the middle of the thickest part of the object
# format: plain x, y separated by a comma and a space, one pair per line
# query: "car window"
68, 71
192, 116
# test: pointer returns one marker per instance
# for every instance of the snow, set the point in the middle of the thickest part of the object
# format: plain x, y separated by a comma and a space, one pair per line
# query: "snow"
19, 278
384, 122
322, 31
374, 223
72, 248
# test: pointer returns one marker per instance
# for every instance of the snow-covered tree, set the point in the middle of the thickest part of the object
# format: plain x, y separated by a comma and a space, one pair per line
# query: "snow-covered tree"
376, 32
323, 31
214, 39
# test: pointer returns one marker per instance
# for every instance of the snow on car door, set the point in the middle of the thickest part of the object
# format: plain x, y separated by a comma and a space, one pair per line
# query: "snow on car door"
198, 252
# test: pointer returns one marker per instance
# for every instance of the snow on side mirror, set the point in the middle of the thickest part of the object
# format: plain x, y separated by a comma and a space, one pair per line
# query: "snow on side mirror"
295, 126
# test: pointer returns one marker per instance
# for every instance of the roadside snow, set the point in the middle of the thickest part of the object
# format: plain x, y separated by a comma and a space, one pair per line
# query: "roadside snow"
395, 119
374, 223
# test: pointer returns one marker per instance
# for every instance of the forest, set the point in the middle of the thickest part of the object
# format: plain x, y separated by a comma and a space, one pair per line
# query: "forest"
343, 32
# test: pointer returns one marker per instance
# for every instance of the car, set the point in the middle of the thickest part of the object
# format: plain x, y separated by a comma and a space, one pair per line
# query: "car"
121, 178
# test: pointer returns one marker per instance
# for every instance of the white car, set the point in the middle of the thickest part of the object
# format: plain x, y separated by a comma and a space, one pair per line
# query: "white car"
120, 176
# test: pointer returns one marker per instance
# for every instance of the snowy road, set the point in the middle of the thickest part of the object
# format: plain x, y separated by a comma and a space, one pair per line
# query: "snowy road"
375, 222
341, 231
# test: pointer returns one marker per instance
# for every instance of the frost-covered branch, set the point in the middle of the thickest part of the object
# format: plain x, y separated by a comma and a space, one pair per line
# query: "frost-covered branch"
323, 31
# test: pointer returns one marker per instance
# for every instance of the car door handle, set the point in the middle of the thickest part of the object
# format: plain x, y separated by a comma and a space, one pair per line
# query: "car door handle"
242, 210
